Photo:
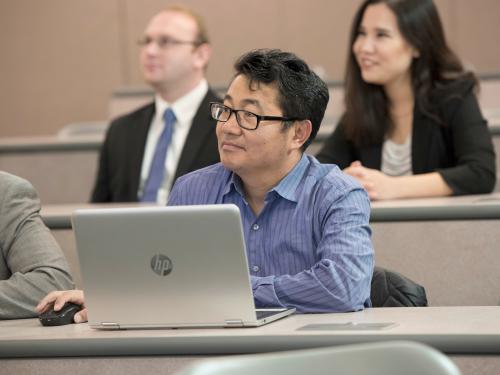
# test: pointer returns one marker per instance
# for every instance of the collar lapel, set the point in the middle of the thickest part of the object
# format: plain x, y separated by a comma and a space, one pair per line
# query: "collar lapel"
201, 129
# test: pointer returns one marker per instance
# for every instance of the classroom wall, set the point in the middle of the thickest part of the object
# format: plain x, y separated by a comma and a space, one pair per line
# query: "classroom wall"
61, 59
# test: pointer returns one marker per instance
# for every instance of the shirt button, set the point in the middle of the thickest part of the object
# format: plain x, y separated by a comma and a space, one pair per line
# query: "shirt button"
255, 227
255, 268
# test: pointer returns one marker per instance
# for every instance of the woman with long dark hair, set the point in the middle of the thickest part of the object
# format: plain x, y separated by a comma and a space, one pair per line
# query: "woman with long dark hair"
412, 125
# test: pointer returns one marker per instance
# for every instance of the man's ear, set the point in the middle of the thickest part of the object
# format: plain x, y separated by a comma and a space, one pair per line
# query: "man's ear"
202, 55
302, 131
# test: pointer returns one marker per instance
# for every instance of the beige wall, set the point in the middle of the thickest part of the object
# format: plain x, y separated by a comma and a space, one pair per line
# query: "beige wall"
61, 59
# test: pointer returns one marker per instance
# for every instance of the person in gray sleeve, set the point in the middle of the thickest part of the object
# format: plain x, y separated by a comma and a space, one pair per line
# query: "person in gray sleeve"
31, 263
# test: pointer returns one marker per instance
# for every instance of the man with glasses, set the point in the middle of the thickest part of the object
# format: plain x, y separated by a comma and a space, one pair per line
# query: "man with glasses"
306, 224
146, 150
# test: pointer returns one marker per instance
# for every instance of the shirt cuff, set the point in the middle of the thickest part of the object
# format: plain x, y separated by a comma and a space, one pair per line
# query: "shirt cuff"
264, 293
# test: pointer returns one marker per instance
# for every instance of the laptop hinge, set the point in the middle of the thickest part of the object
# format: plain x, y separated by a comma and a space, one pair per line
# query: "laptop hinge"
234, 322
109, 325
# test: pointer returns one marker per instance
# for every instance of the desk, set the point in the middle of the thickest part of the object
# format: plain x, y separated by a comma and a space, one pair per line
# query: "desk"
62, 170
470, 335
58, 216
450, 245
467, 207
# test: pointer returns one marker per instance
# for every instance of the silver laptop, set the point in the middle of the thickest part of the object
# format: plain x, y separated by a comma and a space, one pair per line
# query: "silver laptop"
166, 267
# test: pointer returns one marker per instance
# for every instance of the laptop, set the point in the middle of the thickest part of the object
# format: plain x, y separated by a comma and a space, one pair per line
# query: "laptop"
166, 267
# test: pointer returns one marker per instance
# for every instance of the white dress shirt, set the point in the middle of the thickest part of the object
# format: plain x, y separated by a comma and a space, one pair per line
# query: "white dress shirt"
185, 109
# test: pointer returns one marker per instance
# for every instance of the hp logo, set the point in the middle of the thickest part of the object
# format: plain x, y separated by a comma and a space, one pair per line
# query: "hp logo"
161, 264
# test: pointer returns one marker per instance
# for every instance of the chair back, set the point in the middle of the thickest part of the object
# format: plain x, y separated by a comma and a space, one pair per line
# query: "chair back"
381, 358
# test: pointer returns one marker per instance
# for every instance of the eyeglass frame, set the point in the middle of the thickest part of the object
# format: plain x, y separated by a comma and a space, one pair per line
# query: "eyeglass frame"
164, 42
258, 117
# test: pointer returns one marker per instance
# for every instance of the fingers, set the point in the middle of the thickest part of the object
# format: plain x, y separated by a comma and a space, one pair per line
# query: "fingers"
370, 188
81, 316
356, 172
59, 298
372, 194
356, 163
47, 301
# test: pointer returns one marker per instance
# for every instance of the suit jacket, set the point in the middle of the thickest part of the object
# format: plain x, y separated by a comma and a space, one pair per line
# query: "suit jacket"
120, 163
460, 148
32, 264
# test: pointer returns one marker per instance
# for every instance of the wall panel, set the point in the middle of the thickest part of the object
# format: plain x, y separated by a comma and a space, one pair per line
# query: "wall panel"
61, 59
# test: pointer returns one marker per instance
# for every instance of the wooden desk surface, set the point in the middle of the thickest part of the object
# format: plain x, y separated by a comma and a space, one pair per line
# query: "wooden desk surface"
454, 330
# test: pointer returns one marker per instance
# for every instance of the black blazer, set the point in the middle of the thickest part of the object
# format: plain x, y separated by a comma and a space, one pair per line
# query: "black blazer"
121, 156
460, 148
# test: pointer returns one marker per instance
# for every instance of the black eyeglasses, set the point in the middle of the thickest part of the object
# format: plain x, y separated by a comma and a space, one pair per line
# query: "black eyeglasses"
245, 119
164, 42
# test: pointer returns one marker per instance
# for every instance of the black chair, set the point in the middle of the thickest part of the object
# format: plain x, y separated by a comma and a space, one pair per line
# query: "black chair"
391, 289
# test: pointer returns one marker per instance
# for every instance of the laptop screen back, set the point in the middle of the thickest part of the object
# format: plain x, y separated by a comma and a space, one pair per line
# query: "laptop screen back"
164, 266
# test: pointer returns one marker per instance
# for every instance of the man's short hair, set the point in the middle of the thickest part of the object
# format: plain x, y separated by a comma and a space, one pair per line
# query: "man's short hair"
202, 36
301, 93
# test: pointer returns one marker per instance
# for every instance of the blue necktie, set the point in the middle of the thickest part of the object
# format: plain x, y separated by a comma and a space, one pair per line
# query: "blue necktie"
157, 170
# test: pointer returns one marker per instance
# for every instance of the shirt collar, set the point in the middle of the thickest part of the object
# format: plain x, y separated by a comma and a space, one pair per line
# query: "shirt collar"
287, 187
234, 183
185, 107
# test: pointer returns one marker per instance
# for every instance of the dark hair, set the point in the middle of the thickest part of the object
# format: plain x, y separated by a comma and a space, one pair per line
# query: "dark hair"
367, 118
301, 93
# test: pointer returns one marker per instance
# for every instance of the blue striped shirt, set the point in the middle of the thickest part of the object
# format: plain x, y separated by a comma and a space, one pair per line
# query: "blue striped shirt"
310, 246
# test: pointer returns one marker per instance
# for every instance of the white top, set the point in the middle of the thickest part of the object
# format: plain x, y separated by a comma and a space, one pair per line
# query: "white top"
184, 108
396, 158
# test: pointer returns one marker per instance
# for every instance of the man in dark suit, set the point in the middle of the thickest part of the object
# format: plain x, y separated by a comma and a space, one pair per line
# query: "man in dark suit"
133, 167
